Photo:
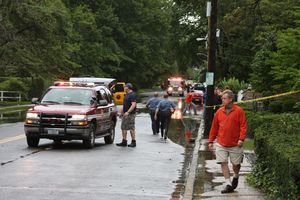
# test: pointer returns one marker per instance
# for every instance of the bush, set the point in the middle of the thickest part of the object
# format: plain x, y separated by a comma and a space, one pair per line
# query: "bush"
297, 107
275, 107
234, 84
283, 104
256, 119
277, 169
15, 84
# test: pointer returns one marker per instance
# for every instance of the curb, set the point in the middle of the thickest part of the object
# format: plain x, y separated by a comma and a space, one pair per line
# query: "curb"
189, 186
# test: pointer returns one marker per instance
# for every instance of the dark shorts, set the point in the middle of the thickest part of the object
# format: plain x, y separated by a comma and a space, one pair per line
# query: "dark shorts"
128, 122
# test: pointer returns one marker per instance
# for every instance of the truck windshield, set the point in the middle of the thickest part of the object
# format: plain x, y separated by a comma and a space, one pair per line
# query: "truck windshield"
68, 96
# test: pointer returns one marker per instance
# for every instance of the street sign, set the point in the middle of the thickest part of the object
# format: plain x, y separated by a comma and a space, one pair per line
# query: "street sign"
209, 78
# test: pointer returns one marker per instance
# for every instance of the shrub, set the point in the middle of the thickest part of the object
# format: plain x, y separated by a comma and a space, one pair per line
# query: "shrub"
277, 169
283, 104
15, 84
234, 84
275, 107
297, 107
256, 119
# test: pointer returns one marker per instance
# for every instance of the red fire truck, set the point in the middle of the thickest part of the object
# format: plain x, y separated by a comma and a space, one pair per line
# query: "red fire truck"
175, 86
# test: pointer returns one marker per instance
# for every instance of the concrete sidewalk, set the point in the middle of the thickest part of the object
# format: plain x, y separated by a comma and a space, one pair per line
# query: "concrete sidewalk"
212, 187
243, 191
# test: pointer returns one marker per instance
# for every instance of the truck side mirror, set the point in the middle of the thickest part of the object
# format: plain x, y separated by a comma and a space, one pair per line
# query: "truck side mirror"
35, 100
103, 103
113, 89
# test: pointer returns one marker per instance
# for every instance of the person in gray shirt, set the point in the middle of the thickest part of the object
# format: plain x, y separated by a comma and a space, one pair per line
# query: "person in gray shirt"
164, 110
152, 105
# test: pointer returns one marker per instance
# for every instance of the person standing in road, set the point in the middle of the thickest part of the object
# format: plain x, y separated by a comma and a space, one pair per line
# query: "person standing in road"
229, 126
128, 116
189, 103
152, 105
164, 109
217, 101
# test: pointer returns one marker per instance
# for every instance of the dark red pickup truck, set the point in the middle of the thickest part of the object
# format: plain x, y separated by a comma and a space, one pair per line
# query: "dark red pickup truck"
72, 111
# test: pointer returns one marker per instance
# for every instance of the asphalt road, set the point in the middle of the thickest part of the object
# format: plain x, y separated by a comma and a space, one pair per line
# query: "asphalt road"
72, 172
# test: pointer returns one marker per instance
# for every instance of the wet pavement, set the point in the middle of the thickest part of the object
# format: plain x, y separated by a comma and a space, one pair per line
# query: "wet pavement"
108, 172
205, 179
191, 173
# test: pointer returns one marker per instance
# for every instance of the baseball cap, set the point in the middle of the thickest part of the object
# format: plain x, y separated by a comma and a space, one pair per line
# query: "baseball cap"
129, 85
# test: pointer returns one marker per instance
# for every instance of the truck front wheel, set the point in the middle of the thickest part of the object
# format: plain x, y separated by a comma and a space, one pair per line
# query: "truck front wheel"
32, 141
110, 138
89, 143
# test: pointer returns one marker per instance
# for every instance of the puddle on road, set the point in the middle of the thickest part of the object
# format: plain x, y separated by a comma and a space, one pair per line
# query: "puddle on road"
203, 181
13, 116
183, 132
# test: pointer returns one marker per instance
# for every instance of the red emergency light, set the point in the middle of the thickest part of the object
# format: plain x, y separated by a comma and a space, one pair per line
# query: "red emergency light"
175, 78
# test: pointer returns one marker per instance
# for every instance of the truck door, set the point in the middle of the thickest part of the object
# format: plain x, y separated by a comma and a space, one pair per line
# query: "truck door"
106, 110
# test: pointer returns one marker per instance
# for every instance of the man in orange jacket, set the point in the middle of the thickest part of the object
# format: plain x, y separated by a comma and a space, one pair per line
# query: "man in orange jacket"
229, 126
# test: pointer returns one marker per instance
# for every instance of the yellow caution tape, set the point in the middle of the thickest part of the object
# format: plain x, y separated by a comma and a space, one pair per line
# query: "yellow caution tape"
260, 99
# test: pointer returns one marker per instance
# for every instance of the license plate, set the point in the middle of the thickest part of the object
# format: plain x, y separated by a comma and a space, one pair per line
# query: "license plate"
53, 132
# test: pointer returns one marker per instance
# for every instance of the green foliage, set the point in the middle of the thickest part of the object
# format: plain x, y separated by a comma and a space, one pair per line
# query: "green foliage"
297, 107
143, 41
261, 67
276, 64
15, 84
255, 119
277, 169
144, 37
286, 60
34, 39
37, 86
283, 104
234, 84
127, 40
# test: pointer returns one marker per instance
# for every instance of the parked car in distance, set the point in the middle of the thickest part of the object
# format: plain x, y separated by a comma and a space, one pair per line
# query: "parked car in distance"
72, 111
198, 93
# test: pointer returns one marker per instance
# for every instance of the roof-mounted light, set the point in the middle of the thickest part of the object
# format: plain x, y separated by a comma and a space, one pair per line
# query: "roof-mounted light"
78, 84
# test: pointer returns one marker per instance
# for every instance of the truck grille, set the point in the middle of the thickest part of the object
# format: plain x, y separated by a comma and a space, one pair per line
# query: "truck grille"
54, 120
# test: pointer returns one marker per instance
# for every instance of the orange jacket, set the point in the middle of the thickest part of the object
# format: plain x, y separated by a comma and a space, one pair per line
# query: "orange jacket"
228, 129
189, 97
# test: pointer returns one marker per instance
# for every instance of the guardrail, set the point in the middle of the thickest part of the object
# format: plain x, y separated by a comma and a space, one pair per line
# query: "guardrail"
7, 115
8, 95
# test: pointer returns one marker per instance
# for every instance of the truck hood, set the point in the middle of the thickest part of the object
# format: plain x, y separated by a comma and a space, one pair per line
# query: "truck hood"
61, 109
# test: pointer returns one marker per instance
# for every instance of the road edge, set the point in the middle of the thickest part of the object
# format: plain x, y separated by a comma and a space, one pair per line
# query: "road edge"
189, 186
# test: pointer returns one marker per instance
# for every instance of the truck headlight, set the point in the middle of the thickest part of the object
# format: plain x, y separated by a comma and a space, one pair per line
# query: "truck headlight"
78, 117
170, 89
32, 116
79, 120
180, 89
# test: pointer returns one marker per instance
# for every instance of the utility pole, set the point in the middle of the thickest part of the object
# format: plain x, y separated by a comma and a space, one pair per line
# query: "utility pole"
211, 63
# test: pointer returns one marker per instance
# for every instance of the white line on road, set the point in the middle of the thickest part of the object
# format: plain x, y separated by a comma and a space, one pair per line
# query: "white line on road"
10, 139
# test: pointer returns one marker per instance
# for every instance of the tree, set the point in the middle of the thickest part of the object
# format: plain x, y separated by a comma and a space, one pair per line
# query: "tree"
144, 38
33, 39
286, 60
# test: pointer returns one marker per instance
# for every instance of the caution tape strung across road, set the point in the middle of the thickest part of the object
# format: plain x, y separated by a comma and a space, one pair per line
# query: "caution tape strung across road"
260, 99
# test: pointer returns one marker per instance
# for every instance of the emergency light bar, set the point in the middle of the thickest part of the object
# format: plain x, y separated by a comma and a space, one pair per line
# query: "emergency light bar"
175, 79
78, 84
